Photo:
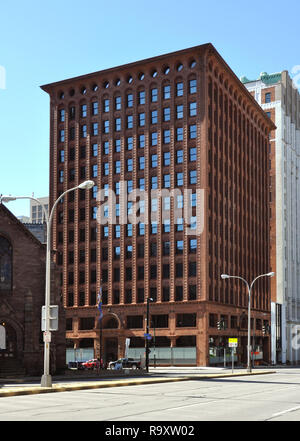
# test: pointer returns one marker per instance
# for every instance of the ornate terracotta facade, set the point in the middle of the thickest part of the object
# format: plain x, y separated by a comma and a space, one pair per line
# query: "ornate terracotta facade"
178, 121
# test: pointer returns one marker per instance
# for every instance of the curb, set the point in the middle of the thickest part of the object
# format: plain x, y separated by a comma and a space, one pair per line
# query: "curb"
9, 392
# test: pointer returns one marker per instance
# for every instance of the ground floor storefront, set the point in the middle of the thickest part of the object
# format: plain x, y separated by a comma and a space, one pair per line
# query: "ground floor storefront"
178, 335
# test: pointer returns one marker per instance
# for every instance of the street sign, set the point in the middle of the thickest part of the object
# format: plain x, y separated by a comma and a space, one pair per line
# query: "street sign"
147, 336
47, 337
53, 318
233, 342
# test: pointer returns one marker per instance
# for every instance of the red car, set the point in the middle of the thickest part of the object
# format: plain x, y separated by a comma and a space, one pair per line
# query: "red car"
91, 364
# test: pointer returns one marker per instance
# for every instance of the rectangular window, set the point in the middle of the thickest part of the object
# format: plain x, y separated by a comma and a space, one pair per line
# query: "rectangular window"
167, 181
117, 145
193, 177
106, 106
94, 149
154, 117
193, 86
83, 110
142, 97
72, 112
135, 322
141, 119
179, 89
154, 182
117, 103
105, 148
179, 156
167, 92
129, 121
167, 114
62, 115
186, 320
141, 162
95, 171
141, 141
154, 95
153, 161
154, 139
61, 135
167, 158
95, 108
179, 134
167, 136
94, 129
160, 320
118, 167
179, 179
268, 97
193, 245
130, 100
193, 154
129, 165
179, 111
192, 131
117, 124
193, 108
106, 126
106, 168
129, 143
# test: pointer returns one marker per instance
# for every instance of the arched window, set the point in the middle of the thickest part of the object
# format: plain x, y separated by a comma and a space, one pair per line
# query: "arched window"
5, 264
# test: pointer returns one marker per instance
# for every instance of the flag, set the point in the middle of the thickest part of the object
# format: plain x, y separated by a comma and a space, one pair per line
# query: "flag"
99, 303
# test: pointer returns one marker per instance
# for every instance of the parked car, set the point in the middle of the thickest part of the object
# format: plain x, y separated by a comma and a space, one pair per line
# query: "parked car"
125, 363
91, 364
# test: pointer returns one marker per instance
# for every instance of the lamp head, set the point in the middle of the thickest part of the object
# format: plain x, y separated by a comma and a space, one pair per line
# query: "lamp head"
86, 185
7, 198
271, 274
225, 276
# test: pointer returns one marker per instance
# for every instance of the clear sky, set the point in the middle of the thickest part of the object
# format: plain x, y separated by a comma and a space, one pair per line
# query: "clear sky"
47, 41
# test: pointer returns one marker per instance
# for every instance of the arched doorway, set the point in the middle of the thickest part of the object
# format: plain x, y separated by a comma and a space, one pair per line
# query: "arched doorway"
109, 342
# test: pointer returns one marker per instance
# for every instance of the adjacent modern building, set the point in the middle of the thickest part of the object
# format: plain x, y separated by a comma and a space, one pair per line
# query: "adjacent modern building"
281, 101
37, 215
179, 144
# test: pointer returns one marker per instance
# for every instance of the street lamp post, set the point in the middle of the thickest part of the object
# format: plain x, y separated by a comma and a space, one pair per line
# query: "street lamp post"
46, 380
149, 299
249, 287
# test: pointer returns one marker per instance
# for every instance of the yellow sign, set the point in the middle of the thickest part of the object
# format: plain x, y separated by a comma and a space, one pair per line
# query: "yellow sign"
232, 342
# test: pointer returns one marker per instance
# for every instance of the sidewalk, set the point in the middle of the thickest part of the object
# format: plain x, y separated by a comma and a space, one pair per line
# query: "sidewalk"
27, 386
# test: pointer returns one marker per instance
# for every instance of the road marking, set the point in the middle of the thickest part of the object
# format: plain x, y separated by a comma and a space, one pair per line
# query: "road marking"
284, 412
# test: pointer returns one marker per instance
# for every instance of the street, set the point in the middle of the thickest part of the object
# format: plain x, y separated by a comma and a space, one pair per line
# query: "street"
272, 397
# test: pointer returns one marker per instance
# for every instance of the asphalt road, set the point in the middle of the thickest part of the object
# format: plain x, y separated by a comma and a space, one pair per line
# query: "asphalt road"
273, 397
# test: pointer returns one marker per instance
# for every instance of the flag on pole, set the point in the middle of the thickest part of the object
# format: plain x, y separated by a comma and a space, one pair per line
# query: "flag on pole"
99, 303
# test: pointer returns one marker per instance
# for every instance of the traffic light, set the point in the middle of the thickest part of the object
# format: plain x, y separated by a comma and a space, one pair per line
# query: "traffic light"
219, 325
264, 329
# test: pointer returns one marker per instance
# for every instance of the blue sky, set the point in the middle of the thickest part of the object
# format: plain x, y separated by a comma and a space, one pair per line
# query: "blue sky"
43, 42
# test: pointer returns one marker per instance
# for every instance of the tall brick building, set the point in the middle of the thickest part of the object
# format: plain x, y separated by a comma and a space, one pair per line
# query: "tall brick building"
174, 122
22, 291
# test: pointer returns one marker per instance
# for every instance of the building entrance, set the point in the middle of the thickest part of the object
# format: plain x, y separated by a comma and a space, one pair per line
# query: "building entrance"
110, 349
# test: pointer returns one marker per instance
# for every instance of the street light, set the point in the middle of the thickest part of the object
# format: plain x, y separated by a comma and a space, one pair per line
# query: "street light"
46, 380
226, 276
149, 299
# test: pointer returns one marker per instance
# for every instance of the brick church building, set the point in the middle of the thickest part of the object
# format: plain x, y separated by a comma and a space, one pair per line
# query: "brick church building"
22, 294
